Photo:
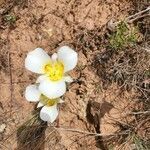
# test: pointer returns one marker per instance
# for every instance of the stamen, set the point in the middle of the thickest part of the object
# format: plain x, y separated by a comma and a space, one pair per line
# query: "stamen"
55, 70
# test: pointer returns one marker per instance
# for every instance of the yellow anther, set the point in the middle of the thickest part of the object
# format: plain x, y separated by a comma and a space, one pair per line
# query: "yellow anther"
55, 70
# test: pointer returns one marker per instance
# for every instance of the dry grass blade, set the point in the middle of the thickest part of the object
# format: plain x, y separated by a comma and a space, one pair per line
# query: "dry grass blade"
32, 133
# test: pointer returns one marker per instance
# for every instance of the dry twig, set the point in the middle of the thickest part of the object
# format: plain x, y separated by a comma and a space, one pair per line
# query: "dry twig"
91, 133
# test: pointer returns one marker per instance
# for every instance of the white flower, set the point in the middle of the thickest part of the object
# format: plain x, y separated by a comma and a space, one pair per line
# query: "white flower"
53, 70
49, 111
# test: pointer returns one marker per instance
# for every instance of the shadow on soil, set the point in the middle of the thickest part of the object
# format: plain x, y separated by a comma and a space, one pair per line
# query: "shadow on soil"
94, 112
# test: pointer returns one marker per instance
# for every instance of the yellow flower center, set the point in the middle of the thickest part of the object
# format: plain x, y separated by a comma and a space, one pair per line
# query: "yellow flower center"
48, 102
54, 70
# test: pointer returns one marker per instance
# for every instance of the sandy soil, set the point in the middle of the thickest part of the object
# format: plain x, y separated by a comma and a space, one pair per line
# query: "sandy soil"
49, 24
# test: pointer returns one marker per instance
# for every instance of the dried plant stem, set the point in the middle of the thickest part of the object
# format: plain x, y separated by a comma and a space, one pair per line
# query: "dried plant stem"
138, 17
112, 25
90, 133
140, 112
138, 14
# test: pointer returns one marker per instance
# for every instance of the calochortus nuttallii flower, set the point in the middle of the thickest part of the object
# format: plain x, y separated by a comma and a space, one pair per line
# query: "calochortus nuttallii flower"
52, 69
50, 85
49, 111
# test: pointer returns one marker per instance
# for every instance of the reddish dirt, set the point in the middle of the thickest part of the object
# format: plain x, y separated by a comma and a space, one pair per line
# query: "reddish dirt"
49, 24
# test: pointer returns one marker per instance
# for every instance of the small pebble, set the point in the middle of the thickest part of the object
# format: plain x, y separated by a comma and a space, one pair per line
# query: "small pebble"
2, 127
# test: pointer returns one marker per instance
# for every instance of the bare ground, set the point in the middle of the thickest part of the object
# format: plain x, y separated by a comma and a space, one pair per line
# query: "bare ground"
89, 106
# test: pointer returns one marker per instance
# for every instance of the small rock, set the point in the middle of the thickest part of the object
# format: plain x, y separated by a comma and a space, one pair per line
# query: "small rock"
111, 25
2, 127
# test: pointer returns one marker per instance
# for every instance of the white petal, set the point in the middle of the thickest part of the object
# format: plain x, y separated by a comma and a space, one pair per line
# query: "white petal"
40, 105
68, 79
54, 57
32, 93
61, 101
41, 78
68, 56
52, 89
36, 60
49, 113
